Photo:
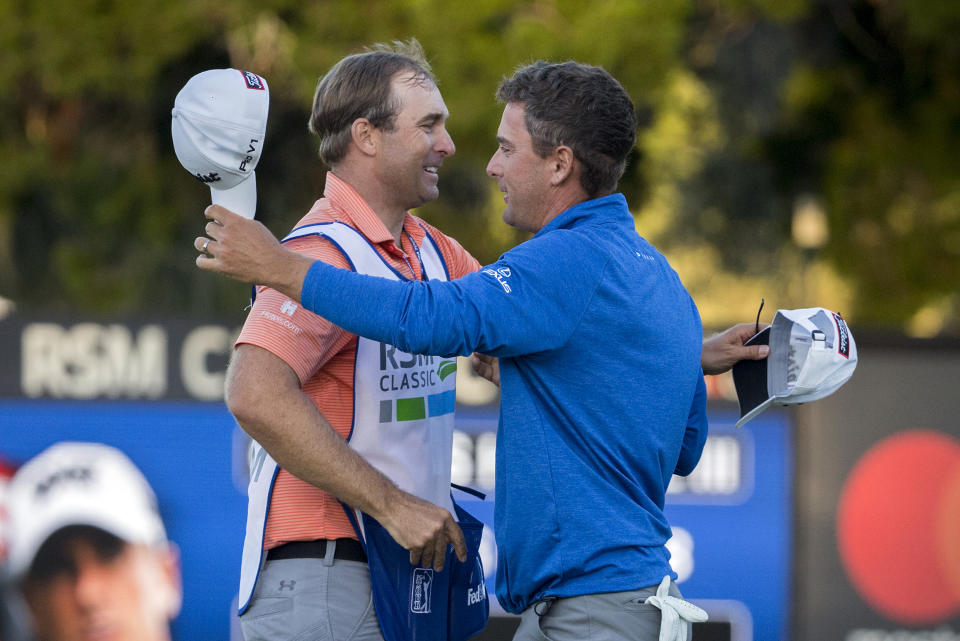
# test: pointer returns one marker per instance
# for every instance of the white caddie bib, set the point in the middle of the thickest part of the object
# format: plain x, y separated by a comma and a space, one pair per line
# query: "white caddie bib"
402, 410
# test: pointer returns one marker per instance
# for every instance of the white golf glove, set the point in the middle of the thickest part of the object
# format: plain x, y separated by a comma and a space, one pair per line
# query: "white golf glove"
676, 614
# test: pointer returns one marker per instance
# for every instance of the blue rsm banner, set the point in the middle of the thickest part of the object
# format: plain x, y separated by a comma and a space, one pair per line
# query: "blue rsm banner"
732, 526
190, 454
731, 519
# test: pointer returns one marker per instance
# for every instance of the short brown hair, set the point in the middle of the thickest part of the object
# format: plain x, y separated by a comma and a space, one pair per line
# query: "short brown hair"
580, 106
359, 87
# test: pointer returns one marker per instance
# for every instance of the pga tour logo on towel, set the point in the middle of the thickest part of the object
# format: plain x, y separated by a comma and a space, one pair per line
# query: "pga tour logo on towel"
421, 590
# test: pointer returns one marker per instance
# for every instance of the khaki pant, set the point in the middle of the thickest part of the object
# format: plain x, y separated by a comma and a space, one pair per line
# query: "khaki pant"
611, 616
312, 600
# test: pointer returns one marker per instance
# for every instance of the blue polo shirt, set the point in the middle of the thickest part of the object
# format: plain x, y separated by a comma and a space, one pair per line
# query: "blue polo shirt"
602, 395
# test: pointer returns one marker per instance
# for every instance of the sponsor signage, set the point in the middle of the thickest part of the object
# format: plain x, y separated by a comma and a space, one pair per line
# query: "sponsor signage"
171, 359
878, 495
91, 360
731, 518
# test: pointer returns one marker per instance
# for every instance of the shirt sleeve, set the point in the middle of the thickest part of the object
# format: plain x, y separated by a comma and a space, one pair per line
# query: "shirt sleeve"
695, 435
530, 300
301, 339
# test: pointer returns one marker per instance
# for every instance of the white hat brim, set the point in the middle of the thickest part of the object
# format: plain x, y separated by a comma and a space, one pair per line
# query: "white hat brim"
240, 199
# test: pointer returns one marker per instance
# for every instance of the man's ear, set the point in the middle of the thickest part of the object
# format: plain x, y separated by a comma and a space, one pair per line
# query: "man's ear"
169, 582
365, 136
563, 165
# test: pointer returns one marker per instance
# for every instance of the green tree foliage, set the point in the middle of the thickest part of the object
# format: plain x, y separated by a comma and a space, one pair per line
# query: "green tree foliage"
852, 105
891, 174
748, 107
856, 103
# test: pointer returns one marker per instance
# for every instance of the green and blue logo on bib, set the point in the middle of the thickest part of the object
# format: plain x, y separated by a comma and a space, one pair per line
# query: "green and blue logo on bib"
415, 386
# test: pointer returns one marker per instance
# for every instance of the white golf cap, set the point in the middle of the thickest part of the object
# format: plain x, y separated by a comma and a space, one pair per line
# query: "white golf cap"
812, 353
219, 123
78, 484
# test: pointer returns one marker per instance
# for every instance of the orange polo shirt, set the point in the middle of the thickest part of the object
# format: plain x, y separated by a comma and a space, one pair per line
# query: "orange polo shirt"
323, 354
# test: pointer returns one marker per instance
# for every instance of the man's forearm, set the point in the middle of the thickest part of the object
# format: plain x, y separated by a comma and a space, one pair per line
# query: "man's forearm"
287, 273
264, 395
289, 426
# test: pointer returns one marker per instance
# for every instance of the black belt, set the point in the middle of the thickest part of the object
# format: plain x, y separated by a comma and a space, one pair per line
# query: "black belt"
346, 550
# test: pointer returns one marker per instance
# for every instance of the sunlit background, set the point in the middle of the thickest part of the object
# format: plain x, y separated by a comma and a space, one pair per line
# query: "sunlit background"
800, 151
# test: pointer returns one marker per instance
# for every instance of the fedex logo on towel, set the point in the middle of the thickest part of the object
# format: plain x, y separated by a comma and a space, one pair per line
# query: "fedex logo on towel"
421, 592
477, 595
253, 80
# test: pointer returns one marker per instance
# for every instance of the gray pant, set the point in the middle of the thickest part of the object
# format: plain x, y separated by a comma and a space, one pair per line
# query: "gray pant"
611, 616
312, 600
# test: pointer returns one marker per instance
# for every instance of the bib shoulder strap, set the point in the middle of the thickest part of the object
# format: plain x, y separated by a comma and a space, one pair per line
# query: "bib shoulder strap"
361, 255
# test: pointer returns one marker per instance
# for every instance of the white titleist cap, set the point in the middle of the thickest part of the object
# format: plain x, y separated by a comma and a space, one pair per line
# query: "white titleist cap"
812, 353
219, 123
78, 484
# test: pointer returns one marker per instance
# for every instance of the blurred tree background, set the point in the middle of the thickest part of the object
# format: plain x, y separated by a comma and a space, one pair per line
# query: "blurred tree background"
804, 151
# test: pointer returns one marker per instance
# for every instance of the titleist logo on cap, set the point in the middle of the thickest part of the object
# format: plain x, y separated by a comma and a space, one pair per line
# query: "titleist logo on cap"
211, 177
843, 336
253, 80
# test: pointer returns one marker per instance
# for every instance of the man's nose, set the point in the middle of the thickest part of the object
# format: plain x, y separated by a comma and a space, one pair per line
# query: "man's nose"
90, 583
445, 144
493, 167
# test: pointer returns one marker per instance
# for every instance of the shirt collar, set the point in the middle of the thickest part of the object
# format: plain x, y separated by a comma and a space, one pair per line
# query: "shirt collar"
611, 207
357, 213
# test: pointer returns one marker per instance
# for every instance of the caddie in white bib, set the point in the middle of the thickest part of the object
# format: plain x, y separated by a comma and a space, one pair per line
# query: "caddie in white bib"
403, 426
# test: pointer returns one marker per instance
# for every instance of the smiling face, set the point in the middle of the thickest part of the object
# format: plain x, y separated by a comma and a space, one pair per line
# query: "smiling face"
413, 151
96, 587
522, 175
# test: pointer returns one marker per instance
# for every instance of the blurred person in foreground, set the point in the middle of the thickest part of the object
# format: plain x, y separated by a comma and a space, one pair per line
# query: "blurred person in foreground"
88, 549
600, 354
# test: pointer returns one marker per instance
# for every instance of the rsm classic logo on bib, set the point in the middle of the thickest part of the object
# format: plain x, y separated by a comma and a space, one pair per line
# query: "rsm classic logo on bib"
423, 376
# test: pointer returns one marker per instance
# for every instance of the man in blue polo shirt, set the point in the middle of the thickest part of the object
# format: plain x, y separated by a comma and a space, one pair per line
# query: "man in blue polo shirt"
599, 346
